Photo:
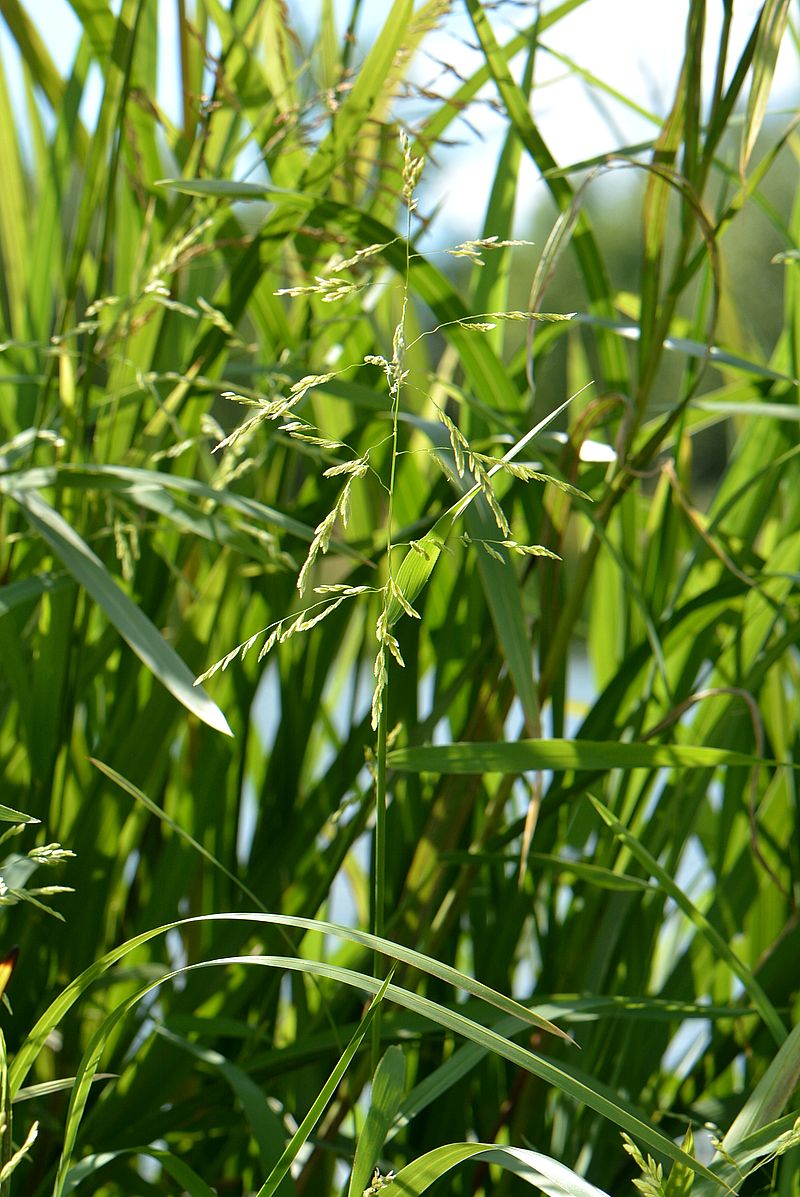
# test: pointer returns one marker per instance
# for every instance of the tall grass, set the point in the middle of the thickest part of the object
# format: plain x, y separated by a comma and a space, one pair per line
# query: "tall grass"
214, 388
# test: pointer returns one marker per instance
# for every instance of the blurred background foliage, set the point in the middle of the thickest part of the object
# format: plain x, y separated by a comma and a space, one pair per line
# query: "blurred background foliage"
591, 801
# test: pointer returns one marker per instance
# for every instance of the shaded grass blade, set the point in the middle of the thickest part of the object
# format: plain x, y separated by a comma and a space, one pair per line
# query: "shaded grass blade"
178, 1169
756, 994
264, 1124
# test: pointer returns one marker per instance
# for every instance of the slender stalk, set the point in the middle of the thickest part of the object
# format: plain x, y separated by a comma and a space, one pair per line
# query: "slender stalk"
379, 866
411, 168
350, 35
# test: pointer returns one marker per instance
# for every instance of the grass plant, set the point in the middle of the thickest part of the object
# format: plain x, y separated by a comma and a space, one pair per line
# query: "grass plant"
306, 532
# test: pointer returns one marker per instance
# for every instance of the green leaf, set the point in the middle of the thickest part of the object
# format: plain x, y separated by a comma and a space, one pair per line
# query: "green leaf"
520, 756
131, 623
266, 1128
42, 69
190, 1183
770, 1096
593, 269
281, 1169
616, 1110
387, 1092
9, 815
542, 1171
52, 1016
757, 995
136, 482
361, 100
591, 873
713, 354
27, 590
61, 1085
771, 27
229, 189
761, 411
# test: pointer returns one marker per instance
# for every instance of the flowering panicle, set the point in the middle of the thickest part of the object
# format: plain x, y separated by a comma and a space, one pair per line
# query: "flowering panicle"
341, 278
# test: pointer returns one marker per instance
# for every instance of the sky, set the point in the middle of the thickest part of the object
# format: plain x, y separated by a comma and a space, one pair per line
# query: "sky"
634, 46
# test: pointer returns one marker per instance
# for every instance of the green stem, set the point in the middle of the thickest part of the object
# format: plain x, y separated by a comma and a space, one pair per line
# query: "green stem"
379, 845
380, 828
379, 864
350, 35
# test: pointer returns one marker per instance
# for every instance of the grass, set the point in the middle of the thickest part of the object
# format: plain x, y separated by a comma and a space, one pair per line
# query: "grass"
339, 924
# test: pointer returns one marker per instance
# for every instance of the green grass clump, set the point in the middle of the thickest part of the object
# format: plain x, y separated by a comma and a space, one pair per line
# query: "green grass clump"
307, 533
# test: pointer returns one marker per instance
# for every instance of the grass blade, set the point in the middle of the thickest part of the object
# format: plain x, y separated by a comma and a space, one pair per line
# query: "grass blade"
129, 620
771, 28
387, 1093
757, 995
521, 756
178, 1169
545, 1173
313, 1116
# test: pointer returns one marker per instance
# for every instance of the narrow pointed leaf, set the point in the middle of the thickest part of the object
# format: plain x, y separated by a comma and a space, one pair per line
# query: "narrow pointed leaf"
541, 1171
771, 27
520, 756
132, 624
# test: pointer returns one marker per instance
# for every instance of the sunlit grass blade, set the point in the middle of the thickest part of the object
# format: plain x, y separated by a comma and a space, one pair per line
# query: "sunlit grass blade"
165, 818
617, 1111
129, 620
771, 1095
492, 281
139, 481
591, 263
14, 248
402, 954
114, 39
386, 1094
699, 350
52, 1016
230, 189
359, 103
520, 756
8, 815
39, 62
62, 1085
541, 1171
771, 26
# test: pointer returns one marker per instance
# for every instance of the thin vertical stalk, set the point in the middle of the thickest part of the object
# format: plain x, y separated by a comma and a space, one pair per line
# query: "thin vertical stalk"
350, 35
186, 89
411, 169
379, 865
